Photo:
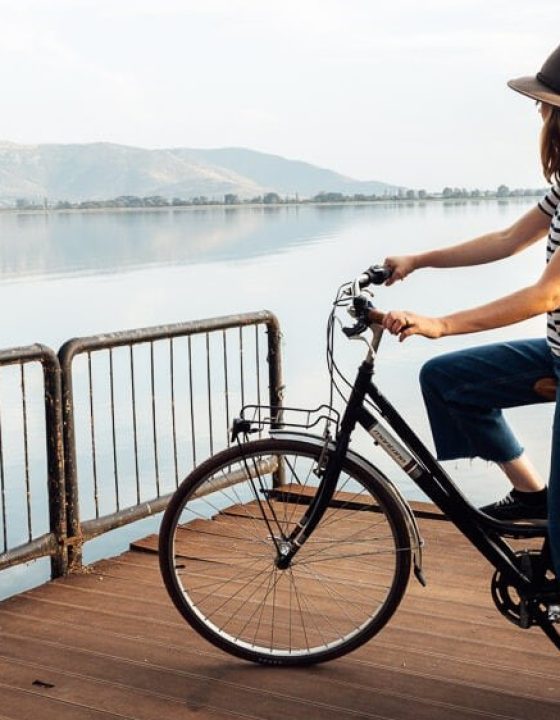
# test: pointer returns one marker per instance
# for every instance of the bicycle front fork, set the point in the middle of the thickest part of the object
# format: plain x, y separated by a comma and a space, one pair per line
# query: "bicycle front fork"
328, 469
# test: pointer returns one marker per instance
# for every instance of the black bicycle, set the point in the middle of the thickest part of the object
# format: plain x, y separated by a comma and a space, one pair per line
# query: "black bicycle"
293, 549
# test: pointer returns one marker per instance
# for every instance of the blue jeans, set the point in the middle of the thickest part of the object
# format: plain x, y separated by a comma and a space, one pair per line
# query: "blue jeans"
465, 393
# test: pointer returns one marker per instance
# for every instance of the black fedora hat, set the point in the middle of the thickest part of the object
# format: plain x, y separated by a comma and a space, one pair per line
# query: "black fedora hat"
545, 85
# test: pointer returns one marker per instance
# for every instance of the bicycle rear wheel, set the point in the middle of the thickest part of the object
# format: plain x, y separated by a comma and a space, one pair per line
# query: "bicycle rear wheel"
219, 543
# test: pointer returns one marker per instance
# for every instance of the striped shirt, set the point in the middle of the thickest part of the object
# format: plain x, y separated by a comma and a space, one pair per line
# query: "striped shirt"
550, 205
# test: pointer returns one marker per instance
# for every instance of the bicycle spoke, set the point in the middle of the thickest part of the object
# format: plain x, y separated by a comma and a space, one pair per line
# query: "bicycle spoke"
391, 551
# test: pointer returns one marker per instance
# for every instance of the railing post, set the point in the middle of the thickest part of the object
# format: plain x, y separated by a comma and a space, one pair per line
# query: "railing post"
274, 357
73, 528
55, 460
275, 384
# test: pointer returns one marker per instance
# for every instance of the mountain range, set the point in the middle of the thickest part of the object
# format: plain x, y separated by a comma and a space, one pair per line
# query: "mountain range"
98, 171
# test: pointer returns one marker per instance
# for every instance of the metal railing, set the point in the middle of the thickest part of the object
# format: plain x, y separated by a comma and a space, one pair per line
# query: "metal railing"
32, 511
141, 408
101, 435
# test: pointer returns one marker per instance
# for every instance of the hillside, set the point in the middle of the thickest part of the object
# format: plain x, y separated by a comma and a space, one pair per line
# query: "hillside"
99, 171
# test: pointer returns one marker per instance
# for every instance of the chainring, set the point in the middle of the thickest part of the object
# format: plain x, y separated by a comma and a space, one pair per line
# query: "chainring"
506, 597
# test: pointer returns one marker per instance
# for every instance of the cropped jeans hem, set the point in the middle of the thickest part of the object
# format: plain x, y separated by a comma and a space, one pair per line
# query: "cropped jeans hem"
497, 460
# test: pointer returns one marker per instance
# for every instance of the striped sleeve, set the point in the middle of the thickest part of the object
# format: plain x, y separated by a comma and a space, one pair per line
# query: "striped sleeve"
550, 201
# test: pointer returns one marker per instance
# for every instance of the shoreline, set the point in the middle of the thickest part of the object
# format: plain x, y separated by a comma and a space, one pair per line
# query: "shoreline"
265, 206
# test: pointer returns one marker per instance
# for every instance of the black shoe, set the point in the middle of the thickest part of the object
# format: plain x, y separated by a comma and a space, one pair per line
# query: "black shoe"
513, 507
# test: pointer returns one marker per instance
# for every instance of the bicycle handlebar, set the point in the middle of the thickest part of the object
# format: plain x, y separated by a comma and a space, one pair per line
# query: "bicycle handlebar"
362, 308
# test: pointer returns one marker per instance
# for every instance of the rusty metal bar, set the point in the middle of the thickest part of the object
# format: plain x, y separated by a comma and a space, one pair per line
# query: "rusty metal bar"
154, 422
98, 526
173, 413
226, 386
209, 389
26, 450
134, 423
69, 444
164, 332
241, 369
191, 401
44, 546
92, 434
258, 373
113, 429
276, 386
55, 460
275, 378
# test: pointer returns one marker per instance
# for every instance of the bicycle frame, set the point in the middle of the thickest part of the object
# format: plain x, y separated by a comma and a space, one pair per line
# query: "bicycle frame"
410, 453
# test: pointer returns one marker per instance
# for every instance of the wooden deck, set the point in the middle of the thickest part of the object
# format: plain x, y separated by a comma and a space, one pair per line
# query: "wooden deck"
109, 644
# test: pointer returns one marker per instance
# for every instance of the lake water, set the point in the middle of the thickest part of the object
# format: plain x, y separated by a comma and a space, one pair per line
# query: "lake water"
74, 274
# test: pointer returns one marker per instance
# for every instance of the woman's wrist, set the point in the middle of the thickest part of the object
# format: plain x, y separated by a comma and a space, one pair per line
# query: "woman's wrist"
445, 326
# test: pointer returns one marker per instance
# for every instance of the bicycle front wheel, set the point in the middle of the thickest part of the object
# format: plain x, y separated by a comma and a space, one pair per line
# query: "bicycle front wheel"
222, 533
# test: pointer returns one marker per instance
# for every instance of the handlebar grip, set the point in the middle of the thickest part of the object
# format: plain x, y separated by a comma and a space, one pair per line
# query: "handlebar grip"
375, 275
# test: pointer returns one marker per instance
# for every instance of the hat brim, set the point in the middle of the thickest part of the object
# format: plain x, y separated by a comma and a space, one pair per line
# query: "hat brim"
533, 88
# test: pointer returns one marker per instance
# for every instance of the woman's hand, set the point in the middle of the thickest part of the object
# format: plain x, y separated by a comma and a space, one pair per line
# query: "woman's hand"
404, 323
401, 266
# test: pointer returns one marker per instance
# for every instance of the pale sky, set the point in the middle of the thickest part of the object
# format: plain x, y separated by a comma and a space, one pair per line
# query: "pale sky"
402, 91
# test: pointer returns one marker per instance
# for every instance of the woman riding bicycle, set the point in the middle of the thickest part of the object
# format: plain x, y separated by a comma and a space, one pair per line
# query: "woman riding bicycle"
465, 391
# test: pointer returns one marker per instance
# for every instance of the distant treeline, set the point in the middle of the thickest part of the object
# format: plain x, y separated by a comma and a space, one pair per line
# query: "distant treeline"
272, 198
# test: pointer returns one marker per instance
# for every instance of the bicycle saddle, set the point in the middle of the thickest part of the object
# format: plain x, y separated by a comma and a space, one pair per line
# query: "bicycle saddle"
546, 388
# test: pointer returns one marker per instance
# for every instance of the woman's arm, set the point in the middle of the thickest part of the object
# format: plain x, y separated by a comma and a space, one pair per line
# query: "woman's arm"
484, 249
536, 299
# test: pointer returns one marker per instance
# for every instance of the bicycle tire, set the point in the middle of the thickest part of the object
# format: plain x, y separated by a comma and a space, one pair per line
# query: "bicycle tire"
217, 555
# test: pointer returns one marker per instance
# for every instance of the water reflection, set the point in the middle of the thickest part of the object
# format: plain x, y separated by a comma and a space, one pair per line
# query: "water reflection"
69, 243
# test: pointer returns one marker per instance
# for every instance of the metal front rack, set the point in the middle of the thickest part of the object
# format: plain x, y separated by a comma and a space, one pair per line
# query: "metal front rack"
255, 418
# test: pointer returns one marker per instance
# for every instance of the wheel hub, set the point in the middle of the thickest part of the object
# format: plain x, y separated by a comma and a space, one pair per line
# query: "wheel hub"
284, 560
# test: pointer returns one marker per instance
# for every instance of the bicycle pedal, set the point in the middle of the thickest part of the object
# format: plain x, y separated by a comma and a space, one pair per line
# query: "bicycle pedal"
524, 616
554, 613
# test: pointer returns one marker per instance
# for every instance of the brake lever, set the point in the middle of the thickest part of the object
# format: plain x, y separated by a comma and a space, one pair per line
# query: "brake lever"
359, 309
356, 330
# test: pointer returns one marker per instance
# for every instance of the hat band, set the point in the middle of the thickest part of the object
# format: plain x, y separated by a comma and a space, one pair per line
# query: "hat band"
552, 84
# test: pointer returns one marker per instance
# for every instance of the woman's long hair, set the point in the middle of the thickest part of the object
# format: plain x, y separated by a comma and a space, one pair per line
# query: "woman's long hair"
550, 145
